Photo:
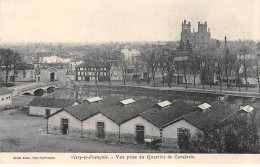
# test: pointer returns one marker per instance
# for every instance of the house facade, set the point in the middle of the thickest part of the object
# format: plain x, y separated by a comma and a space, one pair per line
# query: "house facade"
23, 73
91, 71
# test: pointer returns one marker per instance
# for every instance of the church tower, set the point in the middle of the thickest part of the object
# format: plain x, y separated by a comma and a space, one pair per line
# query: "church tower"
186, 32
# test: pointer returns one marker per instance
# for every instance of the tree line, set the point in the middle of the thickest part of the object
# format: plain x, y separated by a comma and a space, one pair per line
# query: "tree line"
9, 60
205, 63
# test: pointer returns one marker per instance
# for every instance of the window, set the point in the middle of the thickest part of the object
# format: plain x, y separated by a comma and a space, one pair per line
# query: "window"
2, 99
79, 78
78, 73
6, 98
31, 72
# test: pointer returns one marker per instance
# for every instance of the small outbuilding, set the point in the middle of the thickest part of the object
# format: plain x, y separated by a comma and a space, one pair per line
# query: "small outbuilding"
5, 97
48, 106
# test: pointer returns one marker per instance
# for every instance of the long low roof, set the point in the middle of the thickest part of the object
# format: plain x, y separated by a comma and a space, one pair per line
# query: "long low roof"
213, 117
4, 91
51, 102
121, 114
86, 110
164, 116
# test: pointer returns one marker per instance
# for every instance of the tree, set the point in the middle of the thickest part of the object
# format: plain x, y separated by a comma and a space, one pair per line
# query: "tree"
112, 60
194, 62
219, 71
188, 47
124, 66
16, 60
150, 56
7, 58
228, 61
237, 67
184, 66
237, 135
162, 64
245, 66
169, 65
256, 70
181, 46
96, 58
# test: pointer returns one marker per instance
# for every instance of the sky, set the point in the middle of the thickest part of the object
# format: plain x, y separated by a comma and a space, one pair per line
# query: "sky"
124, 20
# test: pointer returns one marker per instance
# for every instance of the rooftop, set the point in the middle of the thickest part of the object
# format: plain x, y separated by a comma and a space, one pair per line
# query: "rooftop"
161, 118
4, 90
215, 115
121, 114
51, 102
85, 110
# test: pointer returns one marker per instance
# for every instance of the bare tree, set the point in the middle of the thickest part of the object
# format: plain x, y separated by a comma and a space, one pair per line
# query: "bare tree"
7, 58
256, 69
16, 60
184, 67
194, 62
162, 64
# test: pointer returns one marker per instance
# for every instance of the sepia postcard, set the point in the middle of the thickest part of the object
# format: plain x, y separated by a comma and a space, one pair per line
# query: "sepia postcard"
130, 81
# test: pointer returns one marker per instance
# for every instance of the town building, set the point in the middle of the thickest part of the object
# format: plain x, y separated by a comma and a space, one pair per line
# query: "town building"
23, 73
199, 39
54, 59
92, 71
48, 106
249, 58
53, 72
5, 97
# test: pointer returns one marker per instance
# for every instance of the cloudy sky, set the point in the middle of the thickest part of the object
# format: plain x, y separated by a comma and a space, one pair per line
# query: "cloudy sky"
124, 20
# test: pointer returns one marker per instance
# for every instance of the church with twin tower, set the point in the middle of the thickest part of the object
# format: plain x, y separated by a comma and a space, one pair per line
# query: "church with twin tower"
199, 39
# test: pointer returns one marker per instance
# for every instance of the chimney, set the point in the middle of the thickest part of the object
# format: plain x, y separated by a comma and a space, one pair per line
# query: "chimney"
184, 21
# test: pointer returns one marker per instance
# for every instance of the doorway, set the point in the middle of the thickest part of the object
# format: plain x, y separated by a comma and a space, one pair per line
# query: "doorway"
183, 138
64, 126
140, 134
100, 129
47, 112
52, 77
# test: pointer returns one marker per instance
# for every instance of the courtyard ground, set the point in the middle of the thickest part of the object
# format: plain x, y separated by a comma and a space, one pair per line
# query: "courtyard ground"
22, 133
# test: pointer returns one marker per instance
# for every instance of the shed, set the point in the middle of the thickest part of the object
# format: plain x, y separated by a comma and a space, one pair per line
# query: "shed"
5, 97
47, 106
